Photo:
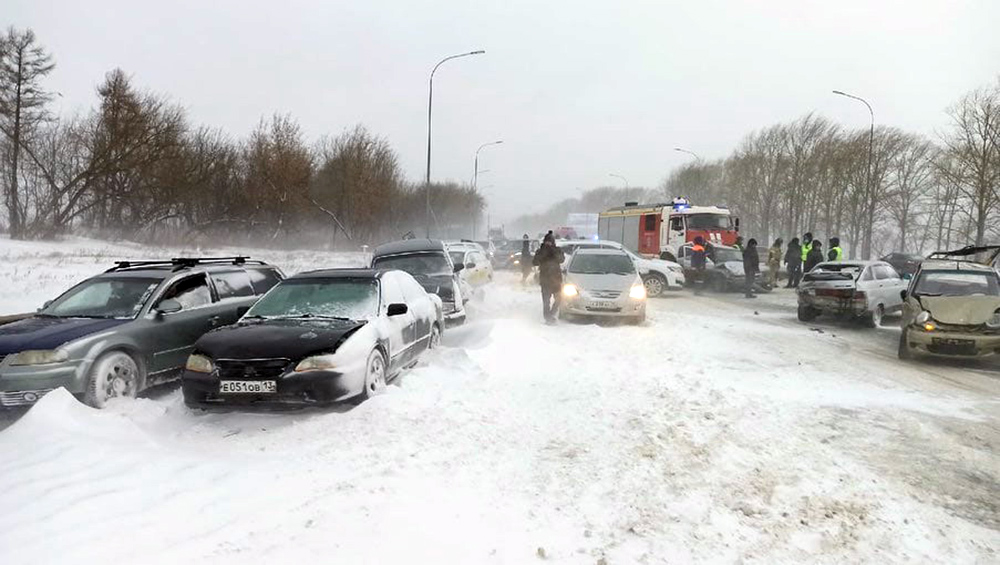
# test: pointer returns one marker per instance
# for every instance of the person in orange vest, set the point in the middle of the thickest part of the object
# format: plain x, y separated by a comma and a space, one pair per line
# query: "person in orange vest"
699, 258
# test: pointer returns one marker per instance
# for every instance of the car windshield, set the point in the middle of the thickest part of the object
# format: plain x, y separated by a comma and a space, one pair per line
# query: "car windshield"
709, 222
103, 298
428, 264
957, 283
457, 257
725, 255
321, 298
601, 264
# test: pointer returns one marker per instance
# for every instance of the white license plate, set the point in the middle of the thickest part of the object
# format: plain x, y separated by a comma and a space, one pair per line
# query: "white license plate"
247, 387
604, 305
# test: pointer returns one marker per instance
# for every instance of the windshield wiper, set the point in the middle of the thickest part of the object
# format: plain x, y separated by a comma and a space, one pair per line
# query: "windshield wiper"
931, 294
317, 316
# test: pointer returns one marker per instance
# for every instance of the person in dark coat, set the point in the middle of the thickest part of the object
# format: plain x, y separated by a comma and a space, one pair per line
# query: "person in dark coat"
525, 258
751, 267
699, 258
815, 256
549, 259
793, 261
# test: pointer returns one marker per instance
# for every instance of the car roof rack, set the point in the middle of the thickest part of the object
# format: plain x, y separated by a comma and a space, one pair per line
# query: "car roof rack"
179, 263
981, 254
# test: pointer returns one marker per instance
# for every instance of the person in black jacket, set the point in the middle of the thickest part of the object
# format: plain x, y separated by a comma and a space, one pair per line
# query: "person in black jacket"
815, 256
525, 258
549, 259
751, 267
699, 258
793, 261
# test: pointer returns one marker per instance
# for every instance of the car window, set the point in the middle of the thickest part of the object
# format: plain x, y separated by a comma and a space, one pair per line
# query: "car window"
885, 272
430, 263
677, 223
354, 299
957, 283
412, 291
232, 284
104, 298
867, 275
190, 292
391, 292
457, 257
263, 279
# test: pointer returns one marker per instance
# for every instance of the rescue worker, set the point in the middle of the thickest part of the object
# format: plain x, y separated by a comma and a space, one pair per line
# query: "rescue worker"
793, 263
738, 244
699, 258
525, 258
774, 262
807, 245
751, 267
815, 256
549, 259
835, 253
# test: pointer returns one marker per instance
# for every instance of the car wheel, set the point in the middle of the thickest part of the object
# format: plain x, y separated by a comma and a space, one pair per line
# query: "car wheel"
654, 285
904, 353
873, 319
435, 341
114, 375
806, 314
375, 375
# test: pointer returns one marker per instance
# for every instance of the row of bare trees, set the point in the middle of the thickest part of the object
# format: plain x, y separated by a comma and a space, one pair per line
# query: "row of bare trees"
135, 167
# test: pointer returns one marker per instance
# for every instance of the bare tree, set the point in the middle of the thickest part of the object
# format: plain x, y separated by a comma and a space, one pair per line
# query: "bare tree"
912, 178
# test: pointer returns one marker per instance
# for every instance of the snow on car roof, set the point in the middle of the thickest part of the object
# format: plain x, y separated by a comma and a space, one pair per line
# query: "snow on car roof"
409, 246
340, 274
599, 251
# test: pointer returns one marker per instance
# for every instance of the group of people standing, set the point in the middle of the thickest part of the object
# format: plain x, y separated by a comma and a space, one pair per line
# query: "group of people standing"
800, 258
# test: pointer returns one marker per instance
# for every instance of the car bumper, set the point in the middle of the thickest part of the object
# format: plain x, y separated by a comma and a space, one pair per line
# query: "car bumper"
453, 317
24, 385
308, 388
952, 344
584, 306
833, 305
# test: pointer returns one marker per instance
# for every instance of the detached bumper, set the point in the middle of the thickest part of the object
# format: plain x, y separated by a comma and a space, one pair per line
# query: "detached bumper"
952, 344
293, 389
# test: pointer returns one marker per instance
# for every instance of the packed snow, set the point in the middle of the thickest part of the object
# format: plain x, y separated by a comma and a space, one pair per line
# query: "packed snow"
720, 431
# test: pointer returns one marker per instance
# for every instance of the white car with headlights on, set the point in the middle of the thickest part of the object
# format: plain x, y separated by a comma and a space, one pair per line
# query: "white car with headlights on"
603, 283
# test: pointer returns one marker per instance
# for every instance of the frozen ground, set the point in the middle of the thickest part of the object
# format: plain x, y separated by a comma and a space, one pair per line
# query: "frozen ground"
722, 431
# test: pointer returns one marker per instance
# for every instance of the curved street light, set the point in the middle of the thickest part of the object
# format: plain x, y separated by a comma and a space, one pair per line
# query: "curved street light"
430, 107
475, 174
692, 153
871, 143
625, 180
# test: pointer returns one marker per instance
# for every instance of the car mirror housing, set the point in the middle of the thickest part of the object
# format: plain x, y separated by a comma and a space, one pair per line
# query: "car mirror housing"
903, 294
470, 265
459, 267
169, 306
397, 309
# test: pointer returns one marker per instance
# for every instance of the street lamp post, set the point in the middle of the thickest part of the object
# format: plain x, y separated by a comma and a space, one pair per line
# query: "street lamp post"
623, 179
692, 153
430, 107
475, 175
866, 249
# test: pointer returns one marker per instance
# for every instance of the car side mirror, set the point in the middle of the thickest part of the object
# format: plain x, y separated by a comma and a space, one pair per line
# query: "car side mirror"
169, 306
44, 306
397, 309
907, 276
903, 294
459, 267
241, 311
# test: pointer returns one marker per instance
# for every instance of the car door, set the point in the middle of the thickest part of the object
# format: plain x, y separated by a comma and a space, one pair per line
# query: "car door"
894, 283
401, 328
422, 308
174, 334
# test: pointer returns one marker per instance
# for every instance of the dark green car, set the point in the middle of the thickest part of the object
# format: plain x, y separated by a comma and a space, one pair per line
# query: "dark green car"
127, 329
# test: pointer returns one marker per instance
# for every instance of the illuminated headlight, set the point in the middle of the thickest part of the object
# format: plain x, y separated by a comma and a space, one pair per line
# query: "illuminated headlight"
39, 357
638, 292
317, 363
199, 364
929, 327
517, 261
923, 317
570, 290
994, 322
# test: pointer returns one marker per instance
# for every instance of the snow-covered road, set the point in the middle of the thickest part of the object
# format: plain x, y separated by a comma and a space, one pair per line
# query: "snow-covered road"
721, 431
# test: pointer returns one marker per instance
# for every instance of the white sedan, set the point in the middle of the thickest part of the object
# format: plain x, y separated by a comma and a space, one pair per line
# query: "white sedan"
603, 283
657, 274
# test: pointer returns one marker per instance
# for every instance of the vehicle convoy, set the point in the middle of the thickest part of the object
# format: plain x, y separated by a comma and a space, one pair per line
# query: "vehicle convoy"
428, 261
865, 290
952, 306
126, 329
603, 283
657, 274
317, 338
478, 270
660, 230
724, 270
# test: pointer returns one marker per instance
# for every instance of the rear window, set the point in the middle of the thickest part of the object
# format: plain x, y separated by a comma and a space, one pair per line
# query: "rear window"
263, 279
232, 284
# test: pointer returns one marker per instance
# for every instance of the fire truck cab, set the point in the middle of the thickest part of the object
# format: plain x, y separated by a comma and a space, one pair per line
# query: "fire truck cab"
659, 230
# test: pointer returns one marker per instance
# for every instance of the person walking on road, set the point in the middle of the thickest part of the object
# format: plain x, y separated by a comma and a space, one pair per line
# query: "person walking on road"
751, 267
699, 257
815, 256
549, 259
793, 263
525, 258
774, 262
835, 253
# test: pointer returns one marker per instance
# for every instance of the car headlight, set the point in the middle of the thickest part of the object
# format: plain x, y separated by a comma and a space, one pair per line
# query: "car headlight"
994, 322
676, 269
199, 364
40, 357
570, 290
923, 317
638, 292
316, 363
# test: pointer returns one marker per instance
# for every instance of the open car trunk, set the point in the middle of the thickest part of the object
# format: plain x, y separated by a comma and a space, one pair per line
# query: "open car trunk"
988, 255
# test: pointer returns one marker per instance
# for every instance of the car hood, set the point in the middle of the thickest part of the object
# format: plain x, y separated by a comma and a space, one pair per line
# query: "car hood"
39, 332
961, 310
734, 267
270, 339
602, 282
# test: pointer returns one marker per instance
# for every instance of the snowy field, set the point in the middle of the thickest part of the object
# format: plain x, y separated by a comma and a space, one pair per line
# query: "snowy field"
721, 431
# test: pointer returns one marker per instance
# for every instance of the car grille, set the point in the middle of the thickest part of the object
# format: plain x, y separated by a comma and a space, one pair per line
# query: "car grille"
251, 368
22, 397
605, 294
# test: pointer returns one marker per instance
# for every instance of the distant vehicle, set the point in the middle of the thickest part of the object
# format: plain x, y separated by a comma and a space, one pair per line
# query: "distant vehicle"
510, 253
565, 232
952, 306
660, 230
127, 329
723, 269
428, 261
657, 274
904, 263
478, 269
603, 283
317, 338
865, 290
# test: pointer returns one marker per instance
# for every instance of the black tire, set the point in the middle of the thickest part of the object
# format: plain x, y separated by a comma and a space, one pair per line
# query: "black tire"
655, 284
904, 353
435, 337
807, 314
115, 374
873, 319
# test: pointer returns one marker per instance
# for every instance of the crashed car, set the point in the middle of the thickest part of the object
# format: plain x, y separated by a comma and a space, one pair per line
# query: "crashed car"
952, 306
864, 290
428, 261
723, 269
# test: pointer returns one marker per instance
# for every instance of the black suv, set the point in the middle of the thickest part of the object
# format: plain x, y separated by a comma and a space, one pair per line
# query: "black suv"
427, 260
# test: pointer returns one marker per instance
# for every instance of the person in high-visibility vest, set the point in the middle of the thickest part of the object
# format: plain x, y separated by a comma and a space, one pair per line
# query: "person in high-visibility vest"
807, 245
836, 253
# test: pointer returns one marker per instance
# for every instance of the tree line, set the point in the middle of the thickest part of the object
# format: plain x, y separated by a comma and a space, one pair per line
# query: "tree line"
134, 166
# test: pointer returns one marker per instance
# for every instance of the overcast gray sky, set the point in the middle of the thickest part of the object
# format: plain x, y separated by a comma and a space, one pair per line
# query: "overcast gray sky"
576, 89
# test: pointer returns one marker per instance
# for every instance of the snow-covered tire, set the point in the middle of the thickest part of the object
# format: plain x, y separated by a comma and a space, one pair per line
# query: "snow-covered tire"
807, 314
654, 283
115, 374
435, 337
375, 375
873, 319
904, 353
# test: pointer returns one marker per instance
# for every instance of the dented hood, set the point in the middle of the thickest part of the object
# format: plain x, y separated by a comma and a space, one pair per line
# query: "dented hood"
961, 310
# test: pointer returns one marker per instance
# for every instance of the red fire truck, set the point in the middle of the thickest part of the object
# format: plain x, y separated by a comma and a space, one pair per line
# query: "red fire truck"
658, 230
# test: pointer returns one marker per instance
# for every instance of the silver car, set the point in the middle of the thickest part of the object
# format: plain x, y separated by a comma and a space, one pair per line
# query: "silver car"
865, 290
603, 283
